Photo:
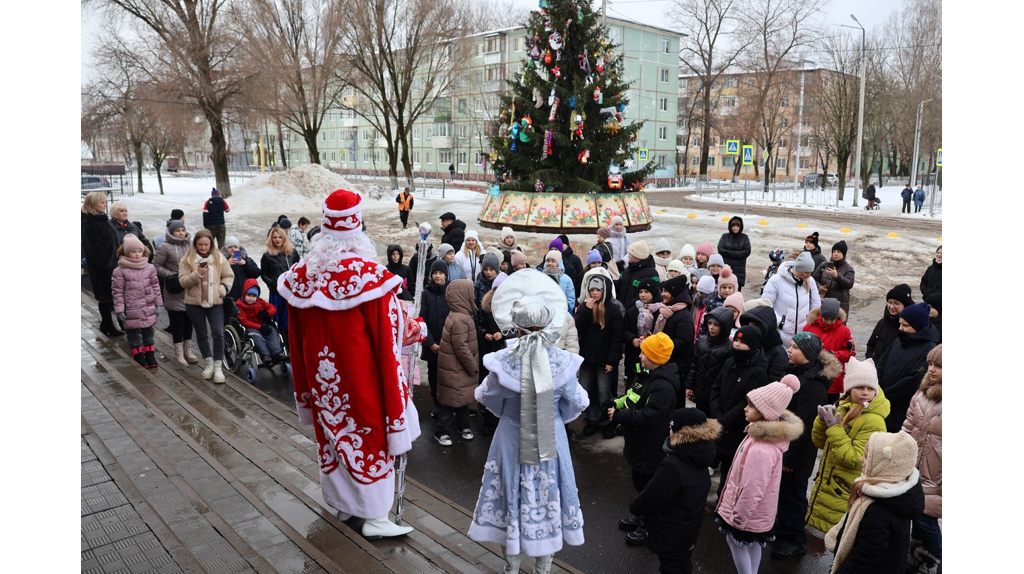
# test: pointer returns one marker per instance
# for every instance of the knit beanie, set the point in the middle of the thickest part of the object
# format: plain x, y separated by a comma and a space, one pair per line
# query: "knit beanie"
706, 248
917, 316
615, 220
902, 294
935, 300
518, 257
804, 263
556, 255
557, 244
687, 417
677, 265
498, 281
841, 247
699, 273
830, 308
214, 192
860, 374
491, 260
596, 282
813, 238
773, 398
776, 255
735, 301
706, 284
177, 214
254, 290
593, 256
604, 232
750, 335
175, 224
506, 232
285, 224
676, 287
496, 252
439, 265
762, 302
445, 249
658, 348
716, 259
231, 240
687, 250
662, 245
727, 277
890, 457
131, 243
472, 234
808, 343
639, 250
650, 285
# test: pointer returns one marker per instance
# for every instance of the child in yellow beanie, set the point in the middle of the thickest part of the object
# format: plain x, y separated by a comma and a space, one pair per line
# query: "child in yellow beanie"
644, 413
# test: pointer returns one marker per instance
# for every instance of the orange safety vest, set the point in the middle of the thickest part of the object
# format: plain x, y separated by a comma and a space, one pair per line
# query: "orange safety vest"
404, 199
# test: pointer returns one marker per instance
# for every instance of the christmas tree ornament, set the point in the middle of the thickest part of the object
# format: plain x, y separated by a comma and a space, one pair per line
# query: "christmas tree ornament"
579, 17
538, 185
597, 95
535, 52
546, 150
554, 109
558, 56
584, 61
547, 26
611, 126
538, 98
527, 129
547, 56
551, 97
545, 4
576, 123
628, 163
555, 41
572, 101
599, 64
557, 72
583, 156
614, 177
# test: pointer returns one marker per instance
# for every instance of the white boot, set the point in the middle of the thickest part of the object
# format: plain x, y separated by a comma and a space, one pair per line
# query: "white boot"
189, 355
377, 528
208, 371
218, 375
179, 354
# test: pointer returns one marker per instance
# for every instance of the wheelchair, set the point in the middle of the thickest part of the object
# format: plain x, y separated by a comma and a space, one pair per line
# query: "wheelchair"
240, 352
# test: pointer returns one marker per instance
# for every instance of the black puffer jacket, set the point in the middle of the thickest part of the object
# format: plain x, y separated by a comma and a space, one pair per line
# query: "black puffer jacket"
679, 327
882, 336
400, 269
272, 266
901, 369
597, 345
99, 241
672, 504
709, 356
763, 318
573, 267
816, 256
729, 395
644, 413
815, 379
931, 281
735, 249
883, 536
434, 310
455, 234
629, 292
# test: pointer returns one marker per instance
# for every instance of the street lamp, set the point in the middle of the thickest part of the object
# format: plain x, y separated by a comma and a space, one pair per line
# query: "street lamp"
917, 140
860, 108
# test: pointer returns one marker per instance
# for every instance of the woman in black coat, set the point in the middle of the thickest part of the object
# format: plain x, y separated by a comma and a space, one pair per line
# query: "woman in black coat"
99, 246
734, 247
931, 281
763, 318
600, 326
676, 320
672, 504
278, 258
395, 265
709, 356
887, 329
434, 310
242, 265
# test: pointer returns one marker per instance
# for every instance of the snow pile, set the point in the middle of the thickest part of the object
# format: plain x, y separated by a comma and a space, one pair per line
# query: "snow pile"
298, 189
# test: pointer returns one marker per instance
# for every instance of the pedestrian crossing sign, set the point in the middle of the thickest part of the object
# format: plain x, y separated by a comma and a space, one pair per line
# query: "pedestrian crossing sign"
938, 160
643, 154
748, 155
732, 147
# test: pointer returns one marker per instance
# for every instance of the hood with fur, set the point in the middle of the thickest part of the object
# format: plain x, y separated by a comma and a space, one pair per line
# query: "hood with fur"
709, 430
931, 389
830, 366
788, 428
812, 317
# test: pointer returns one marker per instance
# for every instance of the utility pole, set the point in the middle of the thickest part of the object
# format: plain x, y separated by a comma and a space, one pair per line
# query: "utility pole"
860, 108
917, 140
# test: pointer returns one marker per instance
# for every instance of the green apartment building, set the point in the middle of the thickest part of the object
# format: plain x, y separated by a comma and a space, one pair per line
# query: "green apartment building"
455, 131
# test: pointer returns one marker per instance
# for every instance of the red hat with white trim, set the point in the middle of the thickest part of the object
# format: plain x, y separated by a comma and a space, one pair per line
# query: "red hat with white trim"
342, 214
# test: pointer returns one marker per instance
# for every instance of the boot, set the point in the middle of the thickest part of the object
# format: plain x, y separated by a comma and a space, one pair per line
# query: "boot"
218, 374
189, 355
208, 371
788, 550
631, 523
912, 558
140, 357
377, 528
107, 322
150, 356
637, 538
179, 354
926, 563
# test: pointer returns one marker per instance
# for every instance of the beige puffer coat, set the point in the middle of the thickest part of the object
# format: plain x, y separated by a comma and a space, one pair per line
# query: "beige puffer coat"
197, 289
924, 423
458, 359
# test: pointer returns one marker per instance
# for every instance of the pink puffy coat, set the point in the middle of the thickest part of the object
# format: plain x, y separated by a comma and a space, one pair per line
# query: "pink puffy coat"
751, 495
137, 295
924, 423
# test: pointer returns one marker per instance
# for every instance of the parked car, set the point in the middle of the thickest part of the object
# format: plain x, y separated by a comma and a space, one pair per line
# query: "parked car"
91, 182
812, 180
831, 179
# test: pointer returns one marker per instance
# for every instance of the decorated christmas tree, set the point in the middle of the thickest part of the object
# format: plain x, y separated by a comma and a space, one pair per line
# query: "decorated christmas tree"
563, 126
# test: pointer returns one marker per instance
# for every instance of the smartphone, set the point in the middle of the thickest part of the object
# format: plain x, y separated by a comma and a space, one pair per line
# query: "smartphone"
238, 255
203, 264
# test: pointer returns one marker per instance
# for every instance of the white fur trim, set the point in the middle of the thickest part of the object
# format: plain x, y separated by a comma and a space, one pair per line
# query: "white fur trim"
344, 212
318, 299
890, 489
340, 234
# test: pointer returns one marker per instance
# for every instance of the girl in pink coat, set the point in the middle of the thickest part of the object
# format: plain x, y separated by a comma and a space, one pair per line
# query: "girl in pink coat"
137, 298
746, 509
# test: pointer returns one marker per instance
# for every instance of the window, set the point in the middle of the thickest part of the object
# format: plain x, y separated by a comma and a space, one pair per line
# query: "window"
728, 161
729, 101
477, 157
684, 103
784, 122
462, 158
332, 135
366, 134
805, 163
478, 104
366, 157
323, 156
664, 75
462, 131
463, 106
662, 133
415, 157
324, 138
441, 130
492, 44
665, 45
517, 45
696, 142
334, 156
682, 122
444, 157
663, 104
430, 132
683, 83
780, 163
711, 161
494, 73
805, 141
661, 161
785, 101
695, 160
731, 82
416, 133
806, 121
783, 143
427, 156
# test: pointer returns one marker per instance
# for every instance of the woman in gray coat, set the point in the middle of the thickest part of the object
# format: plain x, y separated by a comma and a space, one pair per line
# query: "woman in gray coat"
174, 247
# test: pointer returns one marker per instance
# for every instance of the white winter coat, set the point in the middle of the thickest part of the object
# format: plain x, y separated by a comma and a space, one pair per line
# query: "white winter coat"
570, 338
470, 264
620, 243
790, 301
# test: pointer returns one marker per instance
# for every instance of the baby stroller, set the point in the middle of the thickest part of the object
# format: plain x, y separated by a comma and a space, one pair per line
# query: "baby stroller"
240, 352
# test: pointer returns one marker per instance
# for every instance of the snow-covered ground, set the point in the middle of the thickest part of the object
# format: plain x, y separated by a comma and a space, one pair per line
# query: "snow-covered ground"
881, 261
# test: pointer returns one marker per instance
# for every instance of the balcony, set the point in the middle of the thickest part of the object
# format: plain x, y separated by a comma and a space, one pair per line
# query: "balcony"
441, 142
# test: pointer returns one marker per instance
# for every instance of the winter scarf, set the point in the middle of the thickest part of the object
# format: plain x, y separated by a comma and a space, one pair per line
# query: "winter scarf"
125, 261
666, 312
554, 273
645, 320
855, 514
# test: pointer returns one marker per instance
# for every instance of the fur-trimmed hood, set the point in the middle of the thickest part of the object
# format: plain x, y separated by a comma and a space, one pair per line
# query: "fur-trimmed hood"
788, 428
812, 317
830, 365
930, 388
689, 435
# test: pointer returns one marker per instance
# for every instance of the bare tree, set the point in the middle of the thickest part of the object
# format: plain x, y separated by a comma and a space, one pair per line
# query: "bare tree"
709, 48
836, 96
296, 43
169, 126
487, 15
780, 29
403, 57
196, 52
